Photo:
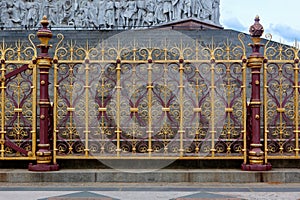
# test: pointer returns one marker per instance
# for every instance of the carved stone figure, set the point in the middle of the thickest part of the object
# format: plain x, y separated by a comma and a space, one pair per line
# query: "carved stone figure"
39, 6
101, 13
49, 11
10, 12
3, 15
197, 8
32, 16
178, 8
167, 10
187, 8
129, 13
68, 12
159, 13
150, 9
92, 14
206, 9
141, 11
109, 14
216, 11
84, 12
119, 15
18, 12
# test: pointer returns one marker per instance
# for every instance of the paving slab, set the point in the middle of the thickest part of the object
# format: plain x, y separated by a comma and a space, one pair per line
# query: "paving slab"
149, 191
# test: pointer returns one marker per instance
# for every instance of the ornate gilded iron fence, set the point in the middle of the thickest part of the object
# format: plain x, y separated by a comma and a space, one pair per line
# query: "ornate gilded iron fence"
141, 100
18, 100
182, 99
281, 101
149, 100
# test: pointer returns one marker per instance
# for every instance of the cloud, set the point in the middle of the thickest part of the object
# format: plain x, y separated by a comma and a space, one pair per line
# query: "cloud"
235, 24
286, 32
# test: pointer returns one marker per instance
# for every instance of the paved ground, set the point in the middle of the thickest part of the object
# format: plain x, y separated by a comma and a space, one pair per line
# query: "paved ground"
157, 191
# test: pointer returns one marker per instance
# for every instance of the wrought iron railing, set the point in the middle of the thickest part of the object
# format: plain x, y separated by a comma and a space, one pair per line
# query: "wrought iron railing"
150, 99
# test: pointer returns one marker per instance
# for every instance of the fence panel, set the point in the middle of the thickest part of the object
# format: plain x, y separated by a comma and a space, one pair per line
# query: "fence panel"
18, 100
281, 101
184, 100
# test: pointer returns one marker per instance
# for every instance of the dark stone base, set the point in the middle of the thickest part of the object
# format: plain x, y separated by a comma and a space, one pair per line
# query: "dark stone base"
43, 167
178, 164
144, 163
248, 167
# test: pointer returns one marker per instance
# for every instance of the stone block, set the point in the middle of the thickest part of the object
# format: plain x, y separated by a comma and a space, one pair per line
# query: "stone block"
292, 177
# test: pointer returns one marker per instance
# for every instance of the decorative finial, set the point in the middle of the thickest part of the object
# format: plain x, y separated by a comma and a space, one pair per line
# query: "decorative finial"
44, 34
44, 21
256, 30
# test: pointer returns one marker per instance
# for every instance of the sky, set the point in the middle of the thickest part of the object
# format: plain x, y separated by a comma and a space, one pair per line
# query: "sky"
280, 18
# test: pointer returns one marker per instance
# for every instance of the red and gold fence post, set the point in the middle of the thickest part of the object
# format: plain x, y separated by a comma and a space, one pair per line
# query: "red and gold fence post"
255, 63
44, 62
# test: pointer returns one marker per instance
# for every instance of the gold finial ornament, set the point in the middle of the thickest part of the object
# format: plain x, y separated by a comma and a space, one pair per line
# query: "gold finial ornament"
44, 34
44, 21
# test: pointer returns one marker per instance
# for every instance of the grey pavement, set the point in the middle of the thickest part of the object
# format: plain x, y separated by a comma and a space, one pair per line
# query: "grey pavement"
148, 191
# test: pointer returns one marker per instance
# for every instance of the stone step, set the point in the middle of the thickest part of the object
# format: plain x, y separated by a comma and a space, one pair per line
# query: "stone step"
275, 176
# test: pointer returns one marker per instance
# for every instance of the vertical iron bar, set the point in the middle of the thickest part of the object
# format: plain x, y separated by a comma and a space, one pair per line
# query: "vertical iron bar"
181, 86
2, 105
265, 94
244, 98
87, 88
55, 100
34, 110
150, 88
280, 113
296, 102
102, 125
212, 100
118, 113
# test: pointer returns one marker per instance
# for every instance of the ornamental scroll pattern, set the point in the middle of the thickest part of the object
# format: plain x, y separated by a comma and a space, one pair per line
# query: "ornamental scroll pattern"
281, 100
149, 98
18, 99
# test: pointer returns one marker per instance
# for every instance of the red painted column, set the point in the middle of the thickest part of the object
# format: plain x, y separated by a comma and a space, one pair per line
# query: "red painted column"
44, 63
255, 63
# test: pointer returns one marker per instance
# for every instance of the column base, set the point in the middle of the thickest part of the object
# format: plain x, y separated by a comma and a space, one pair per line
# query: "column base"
256, 167
43, 167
